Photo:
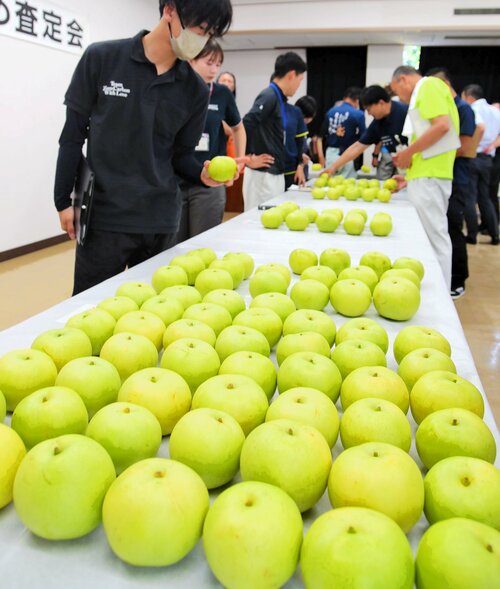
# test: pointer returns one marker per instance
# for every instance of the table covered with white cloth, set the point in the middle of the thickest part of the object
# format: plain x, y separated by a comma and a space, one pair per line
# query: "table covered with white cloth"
28, 562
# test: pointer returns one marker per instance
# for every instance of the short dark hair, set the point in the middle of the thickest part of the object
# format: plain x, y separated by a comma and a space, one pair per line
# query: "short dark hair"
373, 95
288, 62
211, 48
440, 72
216, 15
404, 70
352, 92
308, 106
474, 90
228, 74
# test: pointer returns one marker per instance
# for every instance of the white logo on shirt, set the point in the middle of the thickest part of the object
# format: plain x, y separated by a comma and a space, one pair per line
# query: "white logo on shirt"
213, 107
116, 89
337, 121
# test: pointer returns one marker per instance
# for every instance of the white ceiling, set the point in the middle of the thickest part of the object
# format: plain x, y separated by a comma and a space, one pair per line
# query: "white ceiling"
294, 39
373, 33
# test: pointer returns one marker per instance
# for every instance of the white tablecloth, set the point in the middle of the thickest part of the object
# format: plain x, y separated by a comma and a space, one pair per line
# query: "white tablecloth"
27, 562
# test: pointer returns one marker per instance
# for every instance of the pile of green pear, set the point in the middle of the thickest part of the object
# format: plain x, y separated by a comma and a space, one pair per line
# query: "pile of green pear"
335, 187
298, 218
272, 403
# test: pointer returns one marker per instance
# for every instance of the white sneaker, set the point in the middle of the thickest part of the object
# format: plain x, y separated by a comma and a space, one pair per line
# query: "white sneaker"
457, 292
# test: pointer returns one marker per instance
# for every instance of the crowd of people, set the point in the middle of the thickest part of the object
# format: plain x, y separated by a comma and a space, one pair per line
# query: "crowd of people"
177, 111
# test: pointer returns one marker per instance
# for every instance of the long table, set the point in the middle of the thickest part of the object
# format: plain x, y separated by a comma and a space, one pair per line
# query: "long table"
27, 562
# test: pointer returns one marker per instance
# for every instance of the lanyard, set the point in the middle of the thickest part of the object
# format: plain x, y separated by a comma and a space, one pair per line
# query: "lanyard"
277, 91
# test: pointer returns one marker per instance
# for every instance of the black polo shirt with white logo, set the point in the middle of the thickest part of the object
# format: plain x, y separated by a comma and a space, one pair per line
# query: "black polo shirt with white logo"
140, 125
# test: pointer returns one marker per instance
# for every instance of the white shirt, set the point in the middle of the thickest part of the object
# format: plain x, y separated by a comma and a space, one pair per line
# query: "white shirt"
489, 116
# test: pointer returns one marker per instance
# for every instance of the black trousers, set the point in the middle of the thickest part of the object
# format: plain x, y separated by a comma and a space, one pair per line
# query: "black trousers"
107, 253
495, 182
289, 180
455, 213
480, 168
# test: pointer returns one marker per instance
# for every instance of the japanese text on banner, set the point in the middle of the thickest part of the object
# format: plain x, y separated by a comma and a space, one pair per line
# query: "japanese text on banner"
44, 23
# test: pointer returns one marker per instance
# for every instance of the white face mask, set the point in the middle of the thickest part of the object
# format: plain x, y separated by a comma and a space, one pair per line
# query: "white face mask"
188, 44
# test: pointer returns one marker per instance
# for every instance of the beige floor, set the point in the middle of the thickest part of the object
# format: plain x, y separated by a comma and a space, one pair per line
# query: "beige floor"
39, 280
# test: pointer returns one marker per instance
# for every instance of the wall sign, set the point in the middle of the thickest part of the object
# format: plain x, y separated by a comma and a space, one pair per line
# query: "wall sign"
44, 23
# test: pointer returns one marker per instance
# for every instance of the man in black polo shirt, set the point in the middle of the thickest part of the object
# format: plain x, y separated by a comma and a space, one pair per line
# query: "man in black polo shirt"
386, 128
265, 124
142, 110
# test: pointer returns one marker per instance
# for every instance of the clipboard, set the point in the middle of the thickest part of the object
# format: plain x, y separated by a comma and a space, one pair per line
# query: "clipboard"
450, 141
82, 196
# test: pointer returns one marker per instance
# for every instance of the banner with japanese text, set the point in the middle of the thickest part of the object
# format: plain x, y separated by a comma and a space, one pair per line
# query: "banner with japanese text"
44, 23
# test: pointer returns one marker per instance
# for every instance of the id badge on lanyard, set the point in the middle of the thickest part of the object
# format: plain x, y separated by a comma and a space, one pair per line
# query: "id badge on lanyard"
204, 142
277, 91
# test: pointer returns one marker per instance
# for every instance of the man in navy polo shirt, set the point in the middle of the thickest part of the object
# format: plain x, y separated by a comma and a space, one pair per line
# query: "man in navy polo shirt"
386, 128
298, 117
142, 110
460, 188
344, 124
296, 135
202, 206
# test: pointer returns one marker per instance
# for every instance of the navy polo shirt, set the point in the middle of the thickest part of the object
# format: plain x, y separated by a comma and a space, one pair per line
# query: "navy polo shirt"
140, 125
222, 107
351, 119
387, 130
296, 133
461, 167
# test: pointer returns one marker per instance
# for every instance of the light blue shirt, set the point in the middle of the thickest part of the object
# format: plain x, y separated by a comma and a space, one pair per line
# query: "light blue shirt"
489, 116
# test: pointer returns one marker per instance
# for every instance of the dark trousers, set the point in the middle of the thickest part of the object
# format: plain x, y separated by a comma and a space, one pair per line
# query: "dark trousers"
289, 180
455, 214
202, 209
107, 253
495, 182
480, 169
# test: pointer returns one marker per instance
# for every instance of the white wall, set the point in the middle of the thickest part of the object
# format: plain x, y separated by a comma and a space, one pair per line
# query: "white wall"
381, 61
33, 81
253, 70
